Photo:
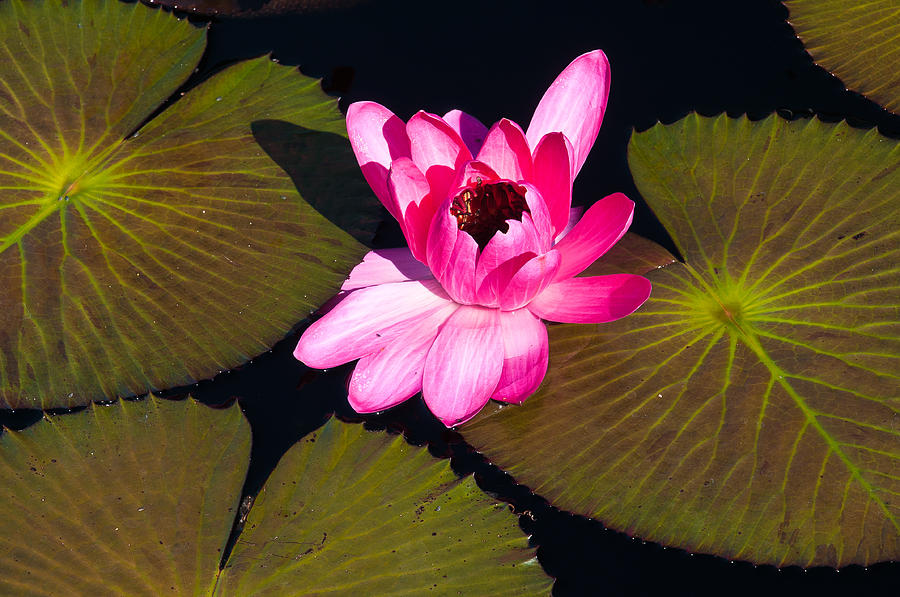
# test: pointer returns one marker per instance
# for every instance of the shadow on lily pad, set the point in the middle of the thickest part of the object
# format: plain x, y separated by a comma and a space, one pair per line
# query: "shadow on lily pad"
324, 170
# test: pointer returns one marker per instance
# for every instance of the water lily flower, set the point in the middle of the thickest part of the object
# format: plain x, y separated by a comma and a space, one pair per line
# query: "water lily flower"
494, 248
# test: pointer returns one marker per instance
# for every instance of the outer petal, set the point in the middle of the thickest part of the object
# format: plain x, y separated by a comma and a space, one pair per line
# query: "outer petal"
464, 364
385, 266
574, 216
506, 150
378, 137
525, 355
436, 149
393, 373
574, 105
366, 320
415, 204
603, 224
529, 281
596, 299
470, 129
553, 177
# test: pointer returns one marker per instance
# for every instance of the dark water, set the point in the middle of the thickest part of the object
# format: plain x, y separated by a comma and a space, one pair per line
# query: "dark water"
494, 60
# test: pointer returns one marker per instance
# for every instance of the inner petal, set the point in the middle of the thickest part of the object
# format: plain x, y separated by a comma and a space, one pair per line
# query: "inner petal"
481, 210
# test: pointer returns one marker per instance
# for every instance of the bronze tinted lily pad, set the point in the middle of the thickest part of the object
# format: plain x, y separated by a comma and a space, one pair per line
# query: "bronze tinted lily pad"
138, 256
135, 498
356, 512
749, 408
139, 498
858, 41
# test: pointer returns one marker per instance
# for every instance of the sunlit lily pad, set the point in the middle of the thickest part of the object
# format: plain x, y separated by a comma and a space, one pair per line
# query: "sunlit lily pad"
136, 498
139, 498
858, 41
139, 256
354, 512
750, 407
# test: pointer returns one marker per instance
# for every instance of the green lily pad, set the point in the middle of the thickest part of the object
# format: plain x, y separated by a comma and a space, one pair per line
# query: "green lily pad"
350, 511
135, 498
858, 41
750, 407
138, 498
141, 260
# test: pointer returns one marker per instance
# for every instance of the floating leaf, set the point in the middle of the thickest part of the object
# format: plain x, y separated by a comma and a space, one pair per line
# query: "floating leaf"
350, 511
136, 498
139, 498
750, 407
858, 41
135, 262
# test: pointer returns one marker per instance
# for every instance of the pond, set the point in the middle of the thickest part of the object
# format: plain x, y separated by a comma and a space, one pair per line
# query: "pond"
494, 60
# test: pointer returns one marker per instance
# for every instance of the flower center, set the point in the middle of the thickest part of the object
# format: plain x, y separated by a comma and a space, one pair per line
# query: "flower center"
482, 210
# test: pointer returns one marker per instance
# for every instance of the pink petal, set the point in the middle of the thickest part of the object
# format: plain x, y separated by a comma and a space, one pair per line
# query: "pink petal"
574, 105
603, 224
469, 128
538, 215
441, 239
393, 373
411, 194
464, 364
384, 266
491, 285
574, 216
504, 254
525, 356
506, 150
596, 299
378, 137
436, 149
459, 276
468, 176
366, 320
553, 177
530, 280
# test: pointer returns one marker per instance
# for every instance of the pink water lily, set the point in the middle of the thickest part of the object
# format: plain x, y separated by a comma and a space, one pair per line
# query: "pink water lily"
493, 249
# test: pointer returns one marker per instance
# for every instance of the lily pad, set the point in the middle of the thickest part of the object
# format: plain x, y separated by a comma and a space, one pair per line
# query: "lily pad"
750, 407
858, 41
135, 498
139, 498
143, 256
355, 512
